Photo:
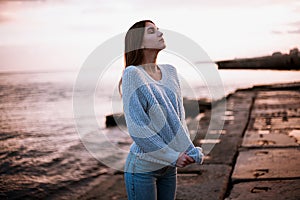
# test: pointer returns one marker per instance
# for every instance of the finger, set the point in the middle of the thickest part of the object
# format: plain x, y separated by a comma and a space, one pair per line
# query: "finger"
190, 159
184, 160
188, 162
180, 165
184, 163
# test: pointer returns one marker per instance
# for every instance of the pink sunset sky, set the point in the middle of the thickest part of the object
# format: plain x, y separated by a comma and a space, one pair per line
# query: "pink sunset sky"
60, 34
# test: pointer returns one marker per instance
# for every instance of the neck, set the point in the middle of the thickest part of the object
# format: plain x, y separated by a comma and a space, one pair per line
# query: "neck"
149, 60
150, 56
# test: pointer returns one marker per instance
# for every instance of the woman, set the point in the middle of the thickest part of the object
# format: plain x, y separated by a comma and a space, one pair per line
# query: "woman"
154, 116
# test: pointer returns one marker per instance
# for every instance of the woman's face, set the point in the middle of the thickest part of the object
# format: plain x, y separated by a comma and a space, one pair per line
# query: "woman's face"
153, 37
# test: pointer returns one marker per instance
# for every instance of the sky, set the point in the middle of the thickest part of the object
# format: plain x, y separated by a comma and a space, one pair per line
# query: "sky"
60, 34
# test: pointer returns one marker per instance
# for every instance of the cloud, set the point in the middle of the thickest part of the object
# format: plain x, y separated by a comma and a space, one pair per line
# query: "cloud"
294, 31
4, 18
4, 3
297, 23
297, 9
295, 27
277, 32
109, 6
11, 9
227, 3
12, 1
90, 27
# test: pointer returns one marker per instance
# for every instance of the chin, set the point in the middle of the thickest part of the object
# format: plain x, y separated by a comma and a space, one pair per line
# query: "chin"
163, 47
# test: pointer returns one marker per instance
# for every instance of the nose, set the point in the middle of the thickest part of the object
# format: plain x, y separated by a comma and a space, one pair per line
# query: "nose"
160, 34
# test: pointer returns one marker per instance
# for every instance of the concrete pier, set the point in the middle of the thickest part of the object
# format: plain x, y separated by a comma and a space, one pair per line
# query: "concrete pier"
256, 156
268, 160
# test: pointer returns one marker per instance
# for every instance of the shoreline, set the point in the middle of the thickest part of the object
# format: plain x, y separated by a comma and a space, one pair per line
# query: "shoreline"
218, 166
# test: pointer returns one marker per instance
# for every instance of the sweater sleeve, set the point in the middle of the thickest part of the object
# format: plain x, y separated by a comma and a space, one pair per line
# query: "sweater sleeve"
192, 151
139, 123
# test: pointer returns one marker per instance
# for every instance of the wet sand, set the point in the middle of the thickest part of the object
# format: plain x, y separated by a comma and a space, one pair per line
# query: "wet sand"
256, 154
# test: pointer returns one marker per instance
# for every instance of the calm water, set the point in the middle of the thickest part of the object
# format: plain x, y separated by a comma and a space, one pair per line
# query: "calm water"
41, 152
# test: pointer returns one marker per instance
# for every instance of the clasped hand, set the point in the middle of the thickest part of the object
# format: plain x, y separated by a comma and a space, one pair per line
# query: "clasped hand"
184, 160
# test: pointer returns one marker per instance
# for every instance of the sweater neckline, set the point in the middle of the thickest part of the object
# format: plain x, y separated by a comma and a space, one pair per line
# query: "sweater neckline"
149, 77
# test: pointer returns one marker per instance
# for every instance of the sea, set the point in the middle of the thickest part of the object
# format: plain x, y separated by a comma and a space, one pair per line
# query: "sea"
45, 155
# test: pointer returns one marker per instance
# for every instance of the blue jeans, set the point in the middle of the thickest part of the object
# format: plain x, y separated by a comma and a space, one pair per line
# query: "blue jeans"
155, 185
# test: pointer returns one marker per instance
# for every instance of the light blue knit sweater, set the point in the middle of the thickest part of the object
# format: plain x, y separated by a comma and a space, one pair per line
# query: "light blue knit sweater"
155, 116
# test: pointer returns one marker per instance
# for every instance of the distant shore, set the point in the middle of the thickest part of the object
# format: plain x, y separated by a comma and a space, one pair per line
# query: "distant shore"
277, 61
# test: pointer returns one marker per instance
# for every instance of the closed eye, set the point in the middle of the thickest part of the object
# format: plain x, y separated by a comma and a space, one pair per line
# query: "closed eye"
151, 30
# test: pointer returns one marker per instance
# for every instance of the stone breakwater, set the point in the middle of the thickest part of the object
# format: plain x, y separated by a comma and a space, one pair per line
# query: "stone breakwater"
256, 154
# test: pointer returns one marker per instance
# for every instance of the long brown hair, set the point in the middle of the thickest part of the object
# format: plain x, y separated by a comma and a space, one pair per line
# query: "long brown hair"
133, 46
